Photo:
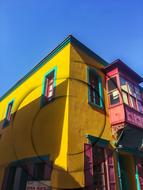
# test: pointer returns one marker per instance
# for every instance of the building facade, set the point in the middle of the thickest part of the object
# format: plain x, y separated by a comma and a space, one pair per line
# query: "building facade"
73, 122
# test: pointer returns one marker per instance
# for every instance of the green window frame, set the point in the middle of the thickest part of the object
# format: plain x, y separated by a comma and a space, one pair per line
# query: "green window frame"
95, 91
48, 87
8, 114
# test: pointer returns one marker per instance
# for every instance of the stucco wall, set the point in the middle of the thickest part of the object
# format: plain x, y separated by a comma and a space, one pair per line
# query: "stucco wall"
36, 130
83, 118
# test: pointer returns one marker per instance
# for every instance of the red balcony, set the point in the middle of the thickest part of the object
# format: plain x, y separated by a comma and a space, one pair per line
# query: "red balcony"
125, 96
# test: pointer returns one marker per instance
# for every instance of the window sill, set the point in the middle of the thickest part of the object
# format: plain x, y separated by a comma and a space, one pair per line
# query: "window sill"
94, 106
45, 101
5, 124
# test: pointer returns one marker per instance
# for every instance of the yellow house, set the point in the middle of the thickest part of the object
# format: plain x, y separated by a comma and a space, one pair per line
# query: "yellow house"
54, 125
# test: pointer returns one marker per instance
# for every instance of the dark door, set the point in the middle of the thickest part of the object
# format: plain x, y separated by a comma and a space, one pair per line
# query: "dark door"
127, 172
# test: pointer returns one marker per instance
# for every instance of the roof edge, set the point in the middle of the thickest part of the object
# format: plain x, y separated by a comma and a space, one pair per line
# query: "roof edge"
88, 51
120, 64
69, 39
38, 66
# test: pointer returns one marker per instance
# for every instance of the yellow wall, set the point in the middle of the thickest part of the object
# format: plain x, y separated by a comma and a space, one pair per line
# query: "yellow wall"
33, 130
60, 128
83, 118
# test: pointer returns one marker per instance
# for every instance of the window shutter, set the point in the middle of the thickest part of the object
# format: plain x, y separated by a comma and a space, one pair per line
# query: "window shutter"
39, 170
11, 177
48, 170
88, 166
30, 170
111, 169
5, 178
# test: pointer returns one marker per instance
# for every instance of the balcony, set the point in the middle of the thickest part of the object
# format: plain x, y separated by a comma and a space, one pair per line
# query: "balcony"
133, 117
125, 96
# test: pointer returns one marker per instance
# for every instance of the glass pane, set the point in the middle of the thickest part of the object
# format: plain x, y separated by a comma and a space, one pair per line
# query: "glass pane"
133, 102
142, 95
97, 98
112, 84
125, 97
131, 89
138, 93
140, 106
9, 112
49, 85
99, 168
114, 97
94, 88
123, 84
92, 94
11, 177
49, 88
39, 171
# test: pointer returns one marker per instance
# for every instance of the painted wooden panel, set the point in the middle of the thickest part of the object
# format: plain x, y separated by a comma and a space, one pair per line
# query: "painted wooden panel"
88, 166
30, 170
48, 170
138, 120
111, 73
134, 117
117, 114
111, 169
130, 116
5, 179
17, 179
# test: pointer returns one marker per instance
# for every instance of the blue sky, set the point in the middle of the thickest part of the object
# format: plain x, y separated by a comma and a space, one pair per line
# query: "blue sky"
30, 29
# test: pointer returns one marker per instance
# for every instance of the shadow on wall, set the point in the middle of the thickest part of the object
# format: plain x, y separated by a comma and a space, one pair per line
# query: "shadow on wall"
34, 130
64, 178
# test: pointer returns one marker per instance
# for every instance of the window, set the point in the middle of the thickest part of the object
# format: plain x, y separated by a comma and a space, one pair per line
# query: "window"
131, 89
39, 170
114, 97
18, 173
139, 99
125, 97
123, 84
8, 114
140, 106
113, 92
42, 170
95, 89
131, 94
48, 93
112, 84
133, 102
103, 168
9, 177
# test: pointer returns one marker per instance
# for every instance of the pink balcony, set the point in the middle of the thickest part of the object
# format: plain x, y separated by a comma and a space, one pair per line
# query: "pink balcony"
125, 95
